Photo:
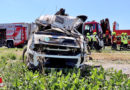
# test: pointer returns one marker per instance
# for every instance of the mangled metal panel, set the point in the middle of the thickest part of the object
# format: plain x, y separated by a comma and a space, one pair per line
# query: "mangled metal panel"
63, 22
57, 50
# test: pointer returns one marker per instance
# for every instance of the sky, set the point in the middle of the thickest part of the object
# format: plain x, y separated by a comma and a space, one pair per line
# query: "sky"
13, 11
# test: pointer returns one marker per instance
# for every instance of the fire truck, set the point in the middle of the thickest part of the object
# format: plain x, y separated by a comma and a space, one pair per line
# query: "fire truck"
118, 33
91, 27
102, 29
14, 34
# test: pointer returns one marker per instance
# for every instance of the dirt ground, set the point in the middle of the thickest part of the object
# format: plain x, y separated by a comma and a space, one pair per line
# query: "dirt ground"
118, 61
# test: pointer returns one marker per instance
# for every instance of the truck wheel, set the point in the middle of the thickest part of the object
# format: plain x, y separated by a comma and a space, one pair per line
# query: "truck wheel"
23, 55
10, 44
26, 58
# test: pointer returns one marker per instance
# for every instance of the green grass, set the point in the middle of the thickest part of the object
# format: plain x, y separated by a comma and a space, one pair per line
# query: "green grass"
16, 76
11, 53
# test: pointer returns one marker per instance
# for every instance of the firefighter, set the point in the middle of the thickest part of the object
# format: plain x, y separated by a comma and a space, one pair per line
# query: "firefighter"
125, 41
107, 36
94, 38
114, 41
89, 40
122, 40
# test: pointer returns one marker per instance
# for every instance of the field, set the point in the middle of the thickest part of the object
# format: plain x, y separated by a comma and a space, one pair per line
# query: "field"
104, 70
119, 60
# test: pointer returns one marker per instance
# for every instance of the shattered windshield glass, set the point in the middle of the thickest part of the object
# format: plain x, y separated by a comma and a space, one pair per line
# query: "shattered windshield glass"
51, 32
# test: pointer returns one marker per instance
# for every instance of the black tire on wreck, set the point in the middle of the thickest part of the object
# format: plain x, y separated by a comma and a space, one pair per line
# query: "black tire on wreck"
31, 66
23, 55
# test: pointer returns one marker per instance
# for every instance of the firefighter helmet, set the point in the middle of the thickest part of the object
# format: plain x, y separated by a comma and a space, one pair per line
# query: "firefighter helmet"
112, 33
94, 33
122, 34
125, 33
88, 34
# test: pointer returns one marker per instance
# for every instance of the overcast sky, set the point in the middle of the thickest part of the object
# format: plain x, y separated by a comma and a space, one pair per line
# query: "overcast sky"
28, 10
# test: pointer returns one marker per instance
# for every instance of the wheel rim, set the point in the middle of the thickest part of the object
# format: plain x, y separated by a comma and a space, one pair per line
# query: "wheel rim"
10, 45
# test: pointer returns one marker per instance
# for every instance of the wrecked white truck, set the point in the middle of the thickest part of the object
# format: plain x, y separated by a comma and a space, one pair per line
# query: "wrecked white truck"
56, 43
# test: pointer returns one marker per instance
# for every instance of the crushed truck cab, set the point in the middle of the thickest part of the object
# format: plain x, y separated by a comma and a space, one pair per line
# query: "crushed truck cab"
56, 43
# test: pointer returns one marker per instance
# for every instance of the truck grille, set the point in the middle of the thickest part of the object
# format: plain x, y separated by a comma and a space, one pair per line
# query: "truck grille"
57, 50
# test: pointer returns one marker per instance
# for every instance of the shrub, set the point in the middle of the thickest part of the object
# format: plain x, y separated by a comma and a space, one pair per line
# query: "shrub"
11, 56
21, 78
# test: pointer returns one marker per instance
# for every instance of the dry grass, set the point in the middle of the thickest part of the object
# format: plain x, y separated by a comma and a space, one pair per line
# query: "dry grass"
11, 53
110, 56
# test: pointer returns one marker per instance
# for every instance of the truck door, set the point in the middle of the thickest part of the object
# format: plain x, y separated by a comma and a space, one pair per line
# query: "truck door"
18, 33
89, 28
23, 35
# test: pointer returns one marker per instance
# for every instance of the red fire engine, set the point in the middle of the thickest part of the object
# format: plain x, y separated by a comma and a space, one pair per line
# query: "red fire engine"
102, 29
14, 34
118, 33
90, 27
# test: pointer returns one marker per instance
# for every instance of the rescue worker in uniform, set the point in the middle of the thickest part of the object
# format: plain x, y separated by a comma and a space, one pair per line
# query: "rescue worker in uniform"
89, 40
107, 36
125, 42
94, 39
114, 41
122, 40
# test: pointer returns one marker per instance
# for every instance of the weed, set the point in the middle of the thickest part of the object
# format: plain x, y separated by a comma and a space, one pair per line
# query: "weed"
11, 56
16, 76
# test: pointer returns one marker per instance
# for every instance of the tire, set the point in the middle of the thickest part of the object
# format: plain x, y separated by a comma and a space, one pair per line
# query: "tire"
24, 51
41, 67
10, 44
26, 60
31, 66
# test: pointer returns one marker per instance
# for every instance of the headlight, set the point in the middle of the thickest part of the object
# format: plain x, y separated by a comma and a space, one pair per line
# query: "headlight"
46, 39
52, 40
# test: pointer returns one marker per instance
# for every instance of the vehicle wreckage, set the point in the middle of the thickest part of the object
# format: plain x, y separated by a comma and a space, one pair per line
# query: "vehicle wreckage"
57, 43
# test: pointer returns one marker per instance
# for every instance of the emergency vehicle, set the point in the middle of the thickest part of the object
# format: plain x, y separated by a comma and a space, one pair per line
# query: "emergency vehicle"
91, 27
102, 29
118, 33
14, 34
